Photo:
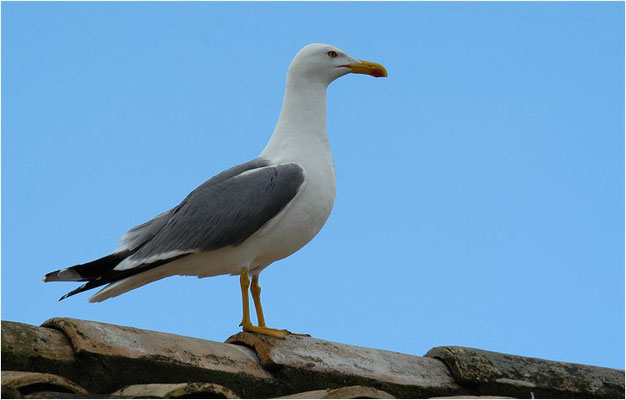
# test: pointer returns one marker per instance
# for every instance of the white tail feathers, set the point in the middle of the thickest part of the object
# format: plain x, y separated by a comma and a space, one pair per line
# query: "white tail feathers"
127, 284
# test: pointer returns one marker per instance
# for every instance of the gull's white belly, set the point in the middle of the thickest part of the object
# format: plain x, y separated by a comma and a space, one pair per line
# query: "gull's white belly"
298, 223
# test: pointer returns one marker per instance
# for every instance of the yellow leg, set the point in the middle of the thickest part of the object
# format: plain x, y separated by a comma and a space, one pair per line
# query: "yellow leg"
256, 291
244, 281
256, 297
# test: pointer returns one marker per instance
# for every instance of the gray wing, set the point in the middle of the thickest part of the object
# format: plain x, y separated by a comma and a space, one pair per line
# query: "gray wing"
223, 211
141, 234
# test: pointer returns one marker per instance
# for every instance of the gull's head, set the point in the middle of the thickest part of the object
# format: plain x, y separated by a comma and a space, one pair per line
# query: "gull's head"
323, 63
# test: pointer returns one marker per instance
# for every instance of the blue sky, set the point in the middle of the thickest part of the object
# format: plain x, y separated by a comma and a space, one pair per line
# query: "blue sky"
480, 188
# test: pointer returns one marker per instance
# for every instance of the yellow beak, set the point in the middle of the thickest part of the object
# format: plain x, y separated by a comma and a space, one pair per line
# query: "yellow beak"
368, 68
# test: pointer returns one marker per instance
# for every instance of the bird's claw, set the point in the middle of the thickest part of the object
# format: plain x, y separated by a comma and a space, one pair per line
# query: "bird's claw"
299, 334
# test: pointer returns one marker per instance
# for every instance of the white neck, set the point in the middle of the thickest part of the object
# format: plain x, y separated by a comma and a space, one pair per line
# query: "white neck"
301, 126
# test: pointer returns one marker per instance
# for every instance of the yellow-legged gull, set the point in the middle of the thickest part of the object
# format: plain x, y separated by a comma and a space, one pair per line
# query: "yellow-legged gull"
245, 218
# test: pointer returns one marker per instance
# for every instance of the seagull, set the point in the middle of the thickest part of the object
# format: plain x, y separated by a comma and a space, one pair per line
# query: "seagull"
246, 217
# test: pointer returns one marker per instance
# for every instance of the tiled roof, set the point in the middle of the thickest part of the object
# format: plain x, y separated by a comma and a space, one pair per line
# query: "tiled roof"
74, 358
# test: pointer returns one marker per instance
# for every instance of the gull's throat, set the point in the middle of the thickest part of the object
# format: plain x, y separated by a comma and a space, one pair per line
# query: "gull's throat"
302, 119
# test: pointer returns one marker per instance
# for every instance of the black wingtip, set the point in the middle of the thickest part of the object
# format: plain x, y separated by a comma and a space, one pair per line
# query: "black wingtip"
79, 289
65, 296
98, 281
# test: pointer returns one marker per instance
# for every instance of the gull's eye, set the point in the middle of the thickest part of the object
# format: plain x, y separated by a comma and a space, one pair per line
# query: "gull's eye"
332, 54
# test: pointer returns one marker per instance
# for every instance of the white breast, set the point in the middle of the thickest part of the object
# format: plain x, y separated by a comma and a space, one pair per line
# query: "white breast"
307, 213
